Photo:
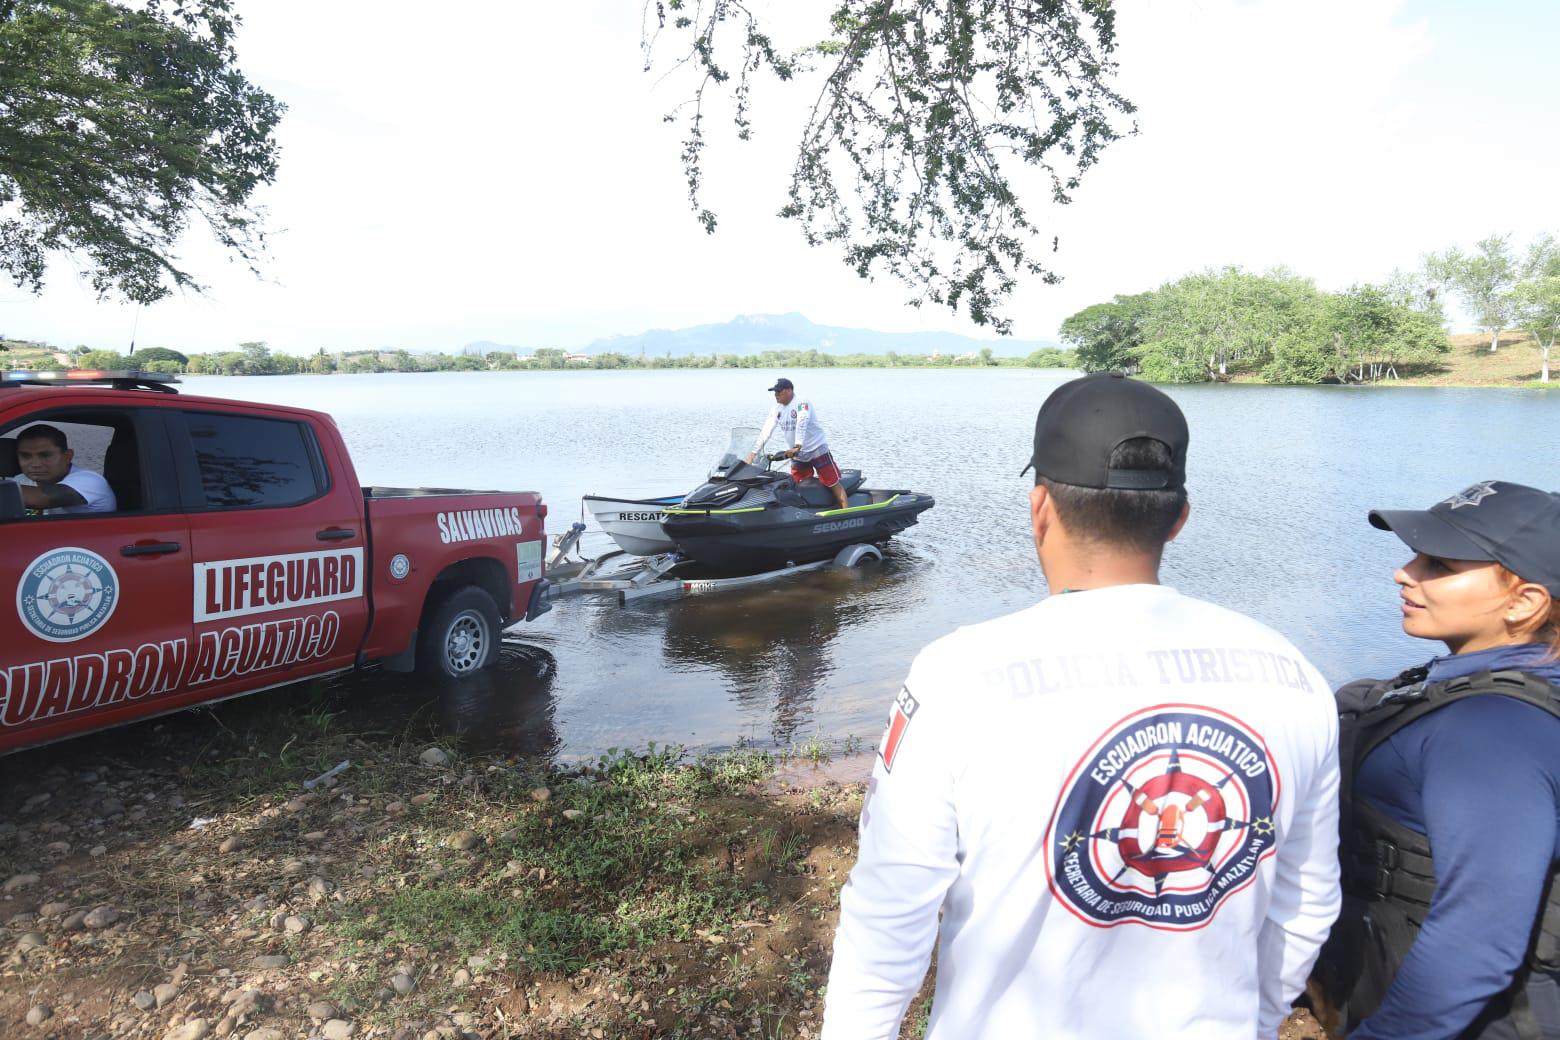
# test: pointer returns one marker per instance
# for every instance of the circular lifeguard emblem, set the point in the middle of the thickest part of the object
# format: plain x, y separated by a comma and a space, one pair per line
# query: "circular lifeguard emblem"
66, 594
1166, 815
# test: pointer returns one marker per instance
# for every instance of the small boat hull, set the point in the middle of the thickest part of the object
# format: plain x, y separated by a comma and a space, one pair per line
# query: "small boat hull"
634, 523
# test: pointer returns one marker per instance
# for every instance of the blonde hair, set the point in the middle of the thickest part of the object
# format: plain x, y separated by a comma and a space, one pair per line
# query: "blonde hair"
1548, 630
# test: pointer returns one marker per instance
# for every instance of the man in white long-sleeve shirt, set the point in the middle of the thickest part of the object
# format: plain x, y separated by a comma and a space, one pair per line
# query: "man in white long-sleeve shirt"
806, 444
1122, 801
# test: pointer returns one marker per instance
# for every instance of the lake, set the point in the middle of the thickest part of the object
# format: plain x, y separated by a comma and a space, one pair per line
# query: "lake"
1280, 481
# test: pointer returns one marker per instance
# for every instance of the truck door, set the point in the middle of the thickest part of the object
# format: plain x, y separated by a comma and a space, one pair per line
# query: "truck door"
280, 579
94, 619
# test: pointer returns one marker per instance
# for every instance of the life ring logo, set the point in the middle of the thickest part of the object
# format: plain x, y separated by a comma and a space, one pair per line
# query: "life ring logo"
67, 594
1170, 812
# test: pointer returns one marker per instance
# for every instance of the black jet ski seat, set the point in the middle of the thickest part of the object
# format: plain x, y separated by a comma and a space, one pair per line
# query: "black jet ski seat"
810, 494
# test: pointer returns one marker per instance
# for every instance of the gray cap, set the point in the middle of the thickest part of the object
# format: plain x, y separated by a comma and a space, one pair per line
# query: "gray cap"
1513, 525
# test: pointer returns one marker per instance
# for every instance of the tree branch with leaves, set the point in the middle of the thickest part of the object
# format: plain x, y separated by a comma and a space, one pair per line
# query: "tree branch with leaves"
119, 124
926, 111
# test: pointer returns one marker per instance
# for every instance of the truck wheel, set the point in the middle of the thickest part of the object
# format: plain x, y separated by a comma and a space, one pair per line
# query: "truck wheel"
461, 636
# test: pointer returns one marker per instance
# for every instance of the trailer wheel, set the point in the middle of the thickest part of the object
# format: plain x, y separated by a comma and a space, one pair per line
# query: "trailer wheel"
462, 635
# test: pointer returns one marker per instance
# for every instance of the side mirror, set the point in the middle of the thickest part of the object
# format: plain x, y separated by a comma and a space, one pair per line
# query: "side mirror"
11, 507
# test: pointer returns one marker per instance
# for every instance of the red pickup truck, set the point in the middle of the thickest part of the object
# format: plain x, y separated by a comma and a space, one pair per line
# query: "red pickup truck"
239, 553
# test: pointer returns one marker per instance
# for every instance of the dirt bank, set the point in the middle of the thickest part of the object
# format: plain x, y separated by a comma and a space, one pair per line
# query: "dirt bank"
177, 880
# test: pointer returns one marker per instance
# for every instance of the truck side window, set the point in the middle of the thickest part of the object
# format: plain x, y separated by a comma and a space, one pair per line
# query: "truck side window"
101, 441
248, 463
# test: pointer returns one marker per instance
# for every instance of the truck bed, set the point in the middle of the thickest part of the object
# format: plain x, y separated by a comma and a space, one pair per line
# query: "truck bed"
395, 492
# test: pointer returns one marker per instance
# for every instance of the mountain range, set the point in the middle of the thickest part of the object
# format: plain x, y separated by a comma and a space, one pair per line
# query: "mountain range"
755, 333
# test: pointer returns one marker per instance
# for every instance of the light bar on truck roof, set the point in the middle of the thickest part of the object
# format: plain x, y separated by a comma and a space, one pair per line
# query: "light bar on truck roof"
119, 378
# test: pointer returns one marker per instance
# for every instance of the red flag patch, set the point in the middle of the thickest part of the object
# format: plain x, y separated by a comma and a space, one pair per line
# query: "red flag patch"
898, 724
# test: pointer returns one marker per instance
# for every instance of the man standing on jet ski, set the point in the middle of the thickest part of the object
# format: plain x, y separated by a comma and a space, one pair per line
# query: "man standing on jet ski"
808, 447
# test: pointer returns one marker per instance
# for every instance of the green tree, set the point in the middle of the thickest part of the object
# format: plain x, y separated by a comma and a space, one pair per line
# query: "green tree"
322, 363
1107, 336
1417, 292
1052, 357
925, 110
236, 363
104, 359
1538, 296
1198, 327
468, 363
146, 355
257, 358
1484, 280
118, 122
1357, 336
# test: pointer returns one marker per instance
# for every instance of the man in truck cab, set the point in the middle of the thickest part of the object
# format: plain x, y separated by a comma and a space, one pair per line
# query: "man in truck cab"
51, 481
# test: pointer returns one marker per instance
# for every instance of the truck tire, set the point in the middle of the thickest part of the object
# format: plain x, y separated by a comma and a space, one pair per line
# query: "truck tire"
461, 636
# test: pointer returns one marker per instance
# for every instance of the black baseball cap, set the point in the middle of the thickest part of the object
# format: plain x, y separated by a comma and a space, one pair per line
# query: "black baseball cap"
782, 384
1513, 525
1085, 420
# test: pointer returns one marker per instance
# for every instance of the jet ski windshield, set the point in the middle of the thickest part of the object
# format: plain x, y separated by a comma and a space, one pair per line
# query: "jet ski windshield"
733, 460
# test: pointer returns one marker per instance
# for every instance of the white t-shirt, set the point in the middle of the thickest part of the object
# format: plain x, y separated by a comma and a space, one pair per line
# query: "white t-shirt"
94, 490
1123, 802
799, 425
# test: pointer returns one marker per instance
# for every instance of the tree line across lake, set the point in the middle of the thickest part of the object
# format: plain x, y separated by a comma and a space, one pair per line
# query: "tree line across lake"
1280, 328
257, 359
1275, 327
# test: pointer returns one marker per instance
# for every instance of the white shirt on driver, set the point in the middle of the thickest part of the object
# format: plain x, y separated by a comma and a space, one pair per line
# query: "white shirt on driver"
96, 495
799, 427
1123, 805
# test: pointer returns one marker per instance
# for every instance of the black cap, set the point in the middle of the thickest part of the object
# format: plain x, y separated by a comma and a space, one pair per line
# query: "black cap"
1085, 420
782, 384
1513, 525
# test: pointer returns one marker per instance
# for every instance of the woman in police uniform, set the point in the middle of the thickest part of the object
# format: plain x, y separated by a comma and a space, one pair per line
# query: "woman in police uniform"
1451, 786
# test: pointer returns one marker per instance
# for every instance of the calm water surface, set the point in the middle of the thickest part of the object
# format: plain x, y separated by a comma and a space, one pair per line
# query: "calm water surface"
1280, 480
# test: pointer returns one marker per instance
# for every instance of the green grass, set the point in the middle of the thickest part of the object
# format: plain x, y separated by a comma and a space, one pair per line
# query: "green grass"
634, 869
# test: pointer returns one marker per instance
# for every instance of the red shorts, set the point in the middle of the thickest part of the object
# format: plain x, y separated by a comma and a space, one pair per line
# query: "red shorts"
828, 472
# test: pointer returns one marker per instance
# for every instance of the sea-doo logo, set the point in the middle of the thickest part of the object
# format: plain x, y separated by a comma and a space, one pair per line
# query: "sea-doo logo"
656, 517
839, 525
1169, 813
66, 594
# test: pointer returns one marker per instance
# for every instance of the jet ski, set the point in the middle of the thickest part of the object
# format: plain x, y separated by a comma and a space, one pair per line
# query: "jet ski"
748, 517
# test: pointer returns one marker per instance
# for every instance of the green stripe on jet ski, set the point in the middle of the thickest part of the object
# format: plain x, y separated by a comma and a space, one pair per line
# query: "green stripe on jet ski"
715, 512
855, 509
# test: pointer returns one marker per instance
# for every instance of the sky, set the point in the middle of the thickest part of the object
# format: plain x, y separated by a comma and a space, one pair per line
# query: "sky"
499, 171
